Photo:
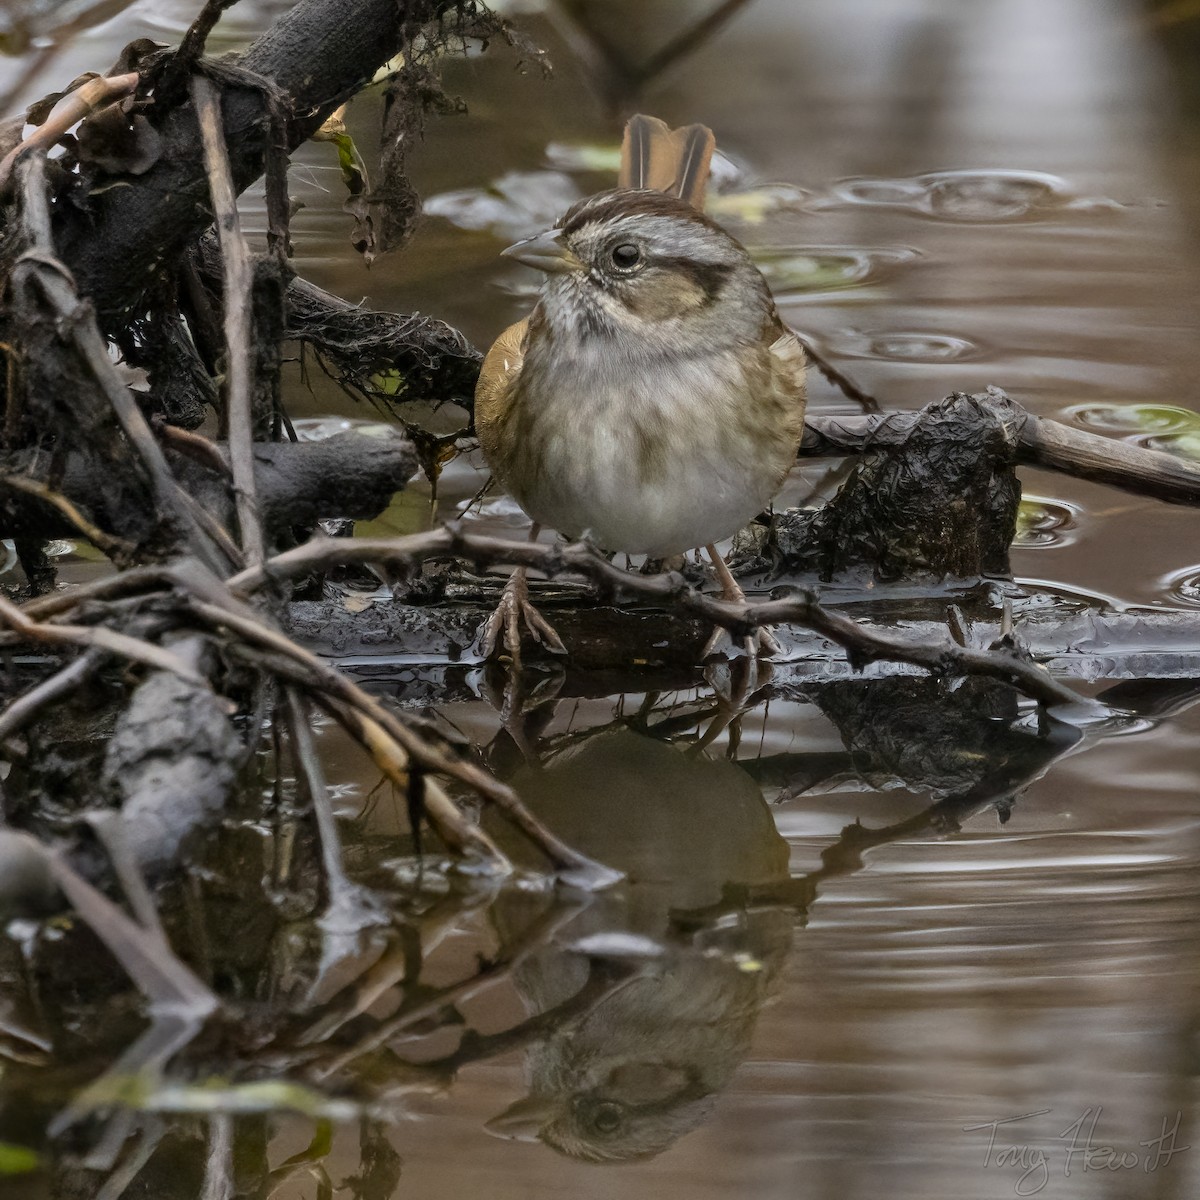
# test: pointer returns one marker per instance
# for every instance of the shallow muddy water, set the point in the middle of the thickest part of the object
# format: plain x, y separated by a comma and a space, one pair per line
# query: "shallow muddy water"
882, 936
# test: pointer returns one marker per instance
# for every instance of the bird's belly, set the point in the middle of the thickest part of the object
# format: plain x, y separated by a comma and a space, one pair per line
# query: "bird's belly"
656, 473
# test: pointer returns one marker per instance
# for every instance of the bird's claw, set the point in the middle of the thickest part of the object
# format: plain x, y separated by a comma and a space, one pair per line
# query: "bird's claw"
516, 608
759, 644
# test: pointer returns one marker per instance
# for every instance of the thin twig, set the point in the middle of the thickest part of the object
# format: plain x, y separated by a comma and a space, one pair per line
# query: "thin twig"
107, 587
689, 41
162, 977
348, 904
540, 933
70, 110
101, 638
239, 319
111, 545
218, 1166
837, 377
24, 708
35, 205
195, 446
371, 713
389, 756
215, 530
191, 47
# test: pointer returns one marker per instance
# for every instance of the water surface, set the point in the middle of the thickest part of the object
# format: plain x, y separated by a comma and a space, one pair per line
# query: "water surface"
835, 964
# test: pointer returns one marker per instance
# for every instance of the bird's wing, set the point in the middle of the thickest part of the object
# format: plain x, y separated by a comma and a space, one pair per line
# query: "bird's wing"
788, 362
662, 159
500, 370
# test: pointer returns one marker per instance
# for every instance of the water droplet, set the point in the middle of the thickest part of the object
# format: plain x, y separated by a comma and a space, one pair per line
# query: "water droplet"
972, 196
796, 272
983, 196
879, 193
900, 346
1134, 418
1182, 445
1043, 523
1184, 585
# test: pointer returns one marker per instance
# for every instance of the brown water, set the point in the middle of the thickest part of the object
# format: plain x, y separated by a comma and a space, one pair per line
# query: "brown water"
988, 191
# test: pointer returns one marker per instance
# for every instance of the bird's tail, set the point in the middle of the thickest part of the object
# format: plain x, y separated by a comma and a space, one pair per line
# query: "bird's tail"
662, 159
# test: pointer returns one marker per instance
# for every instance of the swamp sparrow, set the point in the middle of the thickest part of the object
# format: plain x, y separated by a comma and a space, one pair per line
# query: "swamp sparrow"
653, 401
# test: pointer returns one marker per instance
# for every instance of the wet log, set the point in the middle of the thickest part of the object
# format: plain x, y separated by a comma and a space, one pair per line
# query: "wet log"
172, 760
661, 647
350, 475
940, 502
1040, 442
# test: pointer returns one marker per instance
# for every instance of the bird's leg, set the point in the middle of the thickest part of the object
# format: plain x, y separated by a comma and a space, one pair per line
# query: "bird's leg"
515, 607
759, 644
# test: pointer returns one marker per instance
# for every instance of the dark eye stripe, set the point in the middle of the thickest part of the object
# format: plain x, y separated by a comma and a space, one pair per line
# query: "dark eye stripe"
709, 277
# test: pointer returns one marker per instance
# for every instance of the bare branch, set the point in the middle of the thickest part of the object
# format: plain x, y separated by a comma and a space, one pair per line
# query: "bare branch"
24, 708
372, 719
348, 905
804, 608
239, 320
101, 638
114, 546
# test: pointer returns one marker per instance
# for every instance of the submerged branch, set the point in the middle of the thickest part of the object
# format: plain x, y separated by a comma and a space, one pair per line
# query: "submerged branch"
802, 607
372, 717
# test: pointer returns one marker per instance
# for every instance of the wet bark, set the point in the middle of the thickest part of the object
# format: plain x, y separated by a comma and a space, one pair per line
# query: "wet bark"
349, 475
937, 500
317, 55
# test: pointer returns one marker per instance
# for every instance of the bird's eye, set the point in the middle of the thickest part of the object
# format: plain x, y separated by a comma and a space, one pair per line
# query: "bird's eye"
607, 1118
625, 256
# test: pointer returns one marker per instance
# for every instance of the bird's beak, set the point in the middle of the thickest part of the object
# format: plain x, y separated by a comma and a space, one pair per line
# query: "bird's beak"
523, 1121
547, 252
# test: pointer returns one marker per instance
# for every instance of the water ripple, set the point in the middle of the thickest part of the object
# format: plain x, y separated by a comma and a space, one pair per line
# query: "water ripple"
518, 204
900, 346
969, 196
1185, 444
1134, 418
1184, 585
1043, 523
797, 272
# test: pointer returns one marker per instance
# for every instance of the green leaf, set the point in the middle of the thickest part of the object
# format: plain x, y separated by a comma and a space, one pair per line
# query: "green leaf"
17, 1160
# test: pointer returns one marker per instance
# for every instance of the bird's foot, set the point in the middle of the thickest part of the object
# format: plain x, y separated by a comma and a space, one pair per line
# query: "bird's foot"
516, 608
759, 644
734, 683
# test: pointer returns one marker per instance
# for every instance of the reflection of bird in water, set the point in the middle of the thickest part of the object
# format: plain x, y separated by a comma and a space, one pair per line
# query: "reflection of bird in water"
645, 1065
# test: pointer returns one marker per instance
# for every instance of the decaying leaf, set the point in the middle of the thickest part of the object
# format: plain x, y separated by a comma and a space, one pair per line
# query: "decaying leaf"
118, 144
